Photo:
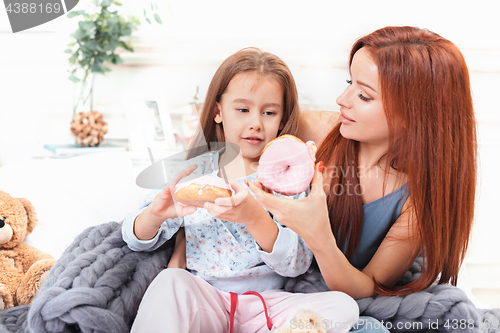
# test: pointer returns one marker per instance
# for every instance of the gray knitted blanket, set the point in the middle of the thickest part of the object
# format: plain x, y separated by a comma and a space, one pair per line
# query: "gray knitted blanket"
97, 285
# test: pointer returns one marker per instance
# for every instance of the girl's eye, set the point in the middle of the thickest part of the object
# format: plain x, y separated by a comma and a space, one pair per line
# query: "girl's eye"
269, 113
363, 98
243, 110
348, 81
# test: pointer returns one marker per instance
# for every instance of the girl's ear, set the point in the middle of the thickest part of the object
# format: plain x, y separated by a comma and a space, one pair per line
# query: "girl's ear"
281, 126
217, 113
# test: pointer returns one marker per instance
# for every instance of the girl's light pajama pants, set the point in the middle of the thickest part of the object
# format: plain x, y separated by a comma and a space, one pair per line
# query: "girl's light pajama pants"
177, 301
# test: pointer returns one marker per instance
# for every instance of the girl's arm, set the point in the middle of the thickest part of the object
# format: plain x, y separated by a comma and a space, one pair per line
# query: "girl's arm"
243, 208
315, 125
308, 217
142, 229
148, 222
280, 247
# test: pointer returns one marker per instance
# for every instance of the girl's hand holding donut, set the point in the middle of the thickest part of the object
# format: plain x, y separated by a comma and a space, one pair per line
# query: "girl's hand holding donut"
243, 208
308, 217
239, 208
163, 206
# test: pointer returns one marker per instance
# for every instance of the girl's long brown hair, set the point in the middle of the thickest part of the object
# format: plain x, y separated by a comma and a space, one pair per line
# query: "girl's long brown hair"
432, 140
246, 60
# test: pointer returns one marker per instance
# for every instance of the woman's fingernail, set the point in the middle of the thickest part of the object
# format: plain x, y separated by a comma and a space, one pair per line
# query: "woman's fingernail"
320, 166
246, 182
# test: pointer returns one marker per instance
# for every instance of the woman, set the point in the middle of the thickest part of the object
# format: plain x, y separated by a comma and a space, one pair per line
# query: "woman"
399, 171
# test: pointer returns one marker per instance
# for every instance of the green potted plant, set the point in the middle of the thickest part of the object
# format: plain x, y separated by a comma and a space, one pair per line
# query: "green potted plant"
99, 35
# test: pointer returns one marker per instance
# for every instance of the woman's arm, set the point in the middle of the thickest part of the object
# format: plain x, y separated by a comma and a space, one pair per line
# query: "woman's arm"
392, 260
315, 125
308, 217
178, 258
398, 251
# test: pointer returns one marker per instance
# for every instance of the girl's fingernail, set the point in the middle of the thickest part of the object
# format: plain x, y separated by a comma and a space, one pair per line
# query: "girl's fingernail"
320, 166
246, 182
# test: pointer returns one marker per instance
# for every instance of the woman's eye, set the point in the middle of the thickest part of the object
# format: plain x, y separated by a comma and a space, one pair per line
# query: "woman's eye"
363, 98
348, 81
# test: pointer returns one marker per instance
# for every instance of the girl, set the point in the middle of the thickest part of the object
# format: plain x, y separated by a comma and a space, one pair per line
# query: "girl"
406, 127
233, 245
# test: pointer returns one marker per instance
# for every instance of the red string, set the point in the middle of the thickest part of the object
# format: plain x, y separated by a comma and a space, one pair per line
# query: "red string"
234, 301
269, 323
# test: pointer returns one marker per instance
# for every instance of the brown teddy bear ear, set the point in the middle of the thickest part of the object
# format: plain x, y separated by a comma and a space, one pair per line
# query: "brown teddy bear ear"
30, 211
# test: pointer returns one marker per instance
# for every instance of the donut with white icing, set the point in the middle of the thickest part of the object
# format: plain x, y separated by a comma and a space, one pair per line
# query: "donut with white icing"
286, 165
199, 190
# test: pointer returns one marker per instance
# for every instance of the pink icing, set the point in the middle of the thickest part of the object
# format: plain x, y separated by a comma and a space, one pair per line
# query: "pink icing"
287, 166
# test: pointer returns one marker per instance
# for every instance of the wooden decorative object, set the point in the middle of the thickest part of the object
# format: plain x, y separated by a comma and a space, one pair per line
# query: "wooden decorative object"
89, 128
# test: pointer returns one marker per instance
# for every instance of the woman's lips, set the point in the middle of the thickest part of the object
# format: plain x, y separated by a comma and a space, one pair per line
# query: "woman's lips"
345, 120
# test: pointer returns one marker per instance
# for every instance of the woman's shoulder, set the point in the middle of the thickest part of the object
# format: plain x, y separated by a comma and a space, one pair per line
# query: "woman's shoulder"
315, 125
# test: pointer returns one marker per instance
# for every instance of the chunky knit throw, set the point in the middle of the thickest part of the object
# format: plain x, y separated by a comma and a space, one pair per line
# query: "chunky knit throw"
97, 285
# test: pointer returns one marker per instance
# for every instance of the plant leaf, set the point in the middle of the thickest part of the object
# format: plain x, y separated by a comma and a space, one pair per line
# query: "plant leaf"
135, 20
73, 57
126, 32
68, 51
112, 21
86, 25
85, 62
97, 67
157, 18
125, 46
74, 13
118, 59
74, 79
148, 20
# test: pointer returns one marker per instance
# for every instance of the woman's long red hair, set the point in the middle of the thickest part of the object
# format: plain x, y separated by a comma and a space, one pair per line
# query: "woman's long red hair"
432, 140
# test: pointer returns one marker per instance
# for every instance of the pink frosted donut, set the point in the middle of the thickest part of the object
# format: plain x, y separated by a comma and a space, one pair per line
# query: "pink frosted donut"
286, 165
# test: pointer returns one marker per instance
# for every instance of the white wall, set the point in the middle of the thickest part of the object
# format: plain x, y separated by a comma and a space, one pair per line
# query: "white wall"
313, 37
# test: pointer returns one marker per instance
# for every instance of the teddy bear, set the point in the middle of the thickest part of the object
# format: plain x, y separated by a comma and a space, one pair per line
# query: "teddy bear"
305, 321
22, 267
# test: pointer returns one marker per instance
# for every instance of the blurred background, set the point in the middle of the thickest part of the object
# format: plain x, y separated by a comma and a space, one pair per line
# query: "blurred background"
173, 63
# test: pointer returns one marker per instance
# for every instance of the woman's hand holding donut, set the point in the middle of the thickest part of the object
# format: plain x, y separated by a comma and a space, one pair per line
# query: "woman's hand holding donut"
163, 207
308, 217
243, 208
